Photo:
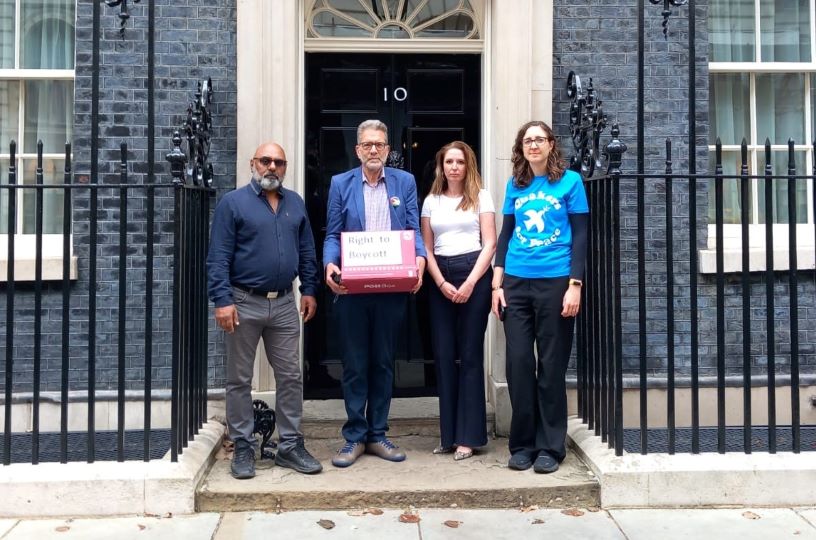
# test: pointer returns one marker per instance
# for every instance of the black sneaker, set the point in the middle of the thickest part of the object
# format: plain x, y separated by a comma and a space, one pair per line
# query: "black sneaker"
545, 463
298, 459
520, 462
243, 460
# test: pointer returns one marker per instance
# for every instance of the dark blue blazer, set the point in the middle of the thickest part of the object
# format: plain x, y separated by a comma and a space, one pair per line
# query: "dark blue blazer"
346, 211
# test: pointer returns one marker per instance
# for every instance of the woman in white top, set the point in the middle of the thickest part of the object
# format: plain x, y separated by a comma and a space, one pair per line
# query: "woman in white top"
459, 230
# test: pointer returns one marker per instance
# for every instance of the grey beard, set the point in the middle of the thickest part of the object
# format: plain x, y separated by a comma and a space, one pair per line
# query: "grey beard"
268, 183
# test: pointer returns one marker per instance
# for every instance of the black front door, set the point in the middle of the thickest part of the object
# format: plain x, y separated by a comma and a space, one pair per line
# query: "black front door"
426, 100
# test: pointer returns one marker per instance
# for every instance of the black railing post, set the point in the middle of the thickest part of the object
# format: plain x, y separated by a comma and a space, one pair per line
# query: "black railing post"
745, 205
176, 360
718, 202
793, 288
670, 391
770, 342
614, 151
66, 305
151, 180
10, 290
122, 289
38, 268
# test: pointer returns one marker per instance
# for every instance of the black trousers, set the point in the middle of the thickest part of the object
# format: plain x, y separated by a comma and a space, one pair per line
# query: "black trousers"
537, 386
457, 338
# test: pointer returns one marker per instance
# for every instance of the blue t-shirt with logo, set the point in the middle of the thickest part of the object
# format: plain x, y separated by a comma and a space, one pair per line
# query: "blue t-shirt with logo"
541, 244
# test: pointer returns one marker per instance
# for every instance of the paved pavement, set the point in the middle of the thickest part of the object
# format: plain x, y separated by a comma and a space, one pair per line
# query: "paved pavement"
430, 524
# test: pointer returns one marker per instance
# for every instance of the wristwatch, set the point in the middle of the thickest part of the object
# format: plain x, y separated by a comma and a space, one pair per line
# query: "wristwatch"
576, 282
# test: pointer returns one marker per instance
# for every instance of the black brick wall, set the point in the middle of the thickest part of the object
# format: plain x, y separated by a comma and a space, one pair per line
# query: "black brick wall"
194, 40
598, 39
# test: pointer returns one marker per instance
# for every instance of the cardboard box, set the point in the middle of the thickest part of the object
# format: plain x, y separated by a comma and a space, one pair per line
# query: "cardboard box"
378, 262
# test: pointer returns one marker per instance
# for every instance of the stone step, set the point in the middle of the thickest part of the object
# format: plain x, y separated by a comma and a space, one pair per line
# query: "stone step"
423, 480
323, 419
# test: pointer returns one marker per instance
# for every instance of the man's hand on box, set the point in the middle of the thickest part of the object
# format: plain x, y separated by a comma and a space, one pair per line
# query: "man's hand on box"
337, 288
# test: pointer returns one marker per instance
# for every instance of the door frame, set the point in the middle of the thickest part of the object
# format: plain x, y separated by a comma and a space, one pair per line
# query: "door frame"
512, 93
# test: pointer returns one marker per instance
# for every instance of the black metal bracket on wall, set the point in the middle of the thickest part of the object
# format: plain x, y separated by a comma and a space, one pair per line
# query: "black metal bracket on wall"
124, 15
194, 165
587, 122
666, 12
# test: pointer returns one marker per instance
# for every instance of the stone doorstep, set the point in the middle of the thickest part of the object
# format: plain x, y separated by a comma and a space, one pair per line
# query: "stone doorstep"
323, 419
422, 480
107, 487
702, 480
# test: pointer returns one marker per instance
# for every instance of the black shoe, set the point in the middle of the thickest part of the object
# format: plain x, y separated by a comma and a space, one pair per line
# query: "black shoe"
545, 463
520, 462
243, 460
298, 459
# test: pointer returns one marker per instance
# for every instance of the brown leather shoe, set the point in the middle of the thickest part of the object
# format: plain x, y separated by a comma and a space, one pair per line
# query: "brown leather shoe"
386, 450
347, 455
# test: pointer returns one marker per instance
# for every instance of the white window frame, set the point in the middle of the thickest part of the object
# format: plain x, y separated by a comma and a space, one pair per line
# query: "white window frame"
732, 233
25, 244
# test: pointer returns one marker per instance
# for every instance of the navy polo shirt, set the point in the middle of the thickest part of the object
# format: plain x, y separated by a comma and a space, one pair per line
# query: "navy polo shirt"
254, 247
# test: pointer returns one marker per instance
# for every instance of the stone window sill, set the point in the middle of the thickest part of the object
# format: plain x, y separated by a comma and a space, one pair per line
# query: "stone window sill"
24, 269
732, 259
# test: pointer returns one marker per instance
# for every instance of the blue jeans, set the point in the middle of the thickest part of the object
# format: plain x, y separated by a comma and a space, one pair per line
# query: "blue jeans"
370, 323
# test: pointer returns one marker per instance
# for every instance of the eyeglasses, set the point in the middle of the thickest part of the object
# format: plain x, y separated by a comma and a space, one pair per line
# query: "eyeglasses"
539, 141
368, 145
267, 161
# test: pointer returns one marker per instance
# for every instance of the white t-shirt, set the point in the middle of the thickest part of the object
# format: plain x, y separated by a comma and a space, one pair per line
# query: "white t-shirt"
456, 231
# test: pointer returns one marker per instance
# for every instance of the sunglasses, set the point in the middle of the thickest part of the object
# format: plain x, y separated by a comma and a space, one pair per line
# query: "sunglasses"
267, 161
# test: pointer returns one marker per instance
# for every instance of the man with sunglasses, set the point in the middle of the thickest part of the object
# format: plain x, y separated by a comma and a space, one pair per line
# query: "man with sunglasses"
371, 197
261, 241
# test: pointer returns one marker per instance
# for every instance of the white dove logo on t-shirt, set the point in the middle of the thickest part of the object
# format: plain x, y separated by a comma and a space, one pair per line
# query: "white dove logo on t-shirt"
535, 218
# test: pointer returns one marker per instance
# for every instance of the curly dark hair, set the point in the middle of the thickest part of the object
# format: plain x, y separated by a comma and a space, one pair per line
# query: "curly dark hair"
522, 172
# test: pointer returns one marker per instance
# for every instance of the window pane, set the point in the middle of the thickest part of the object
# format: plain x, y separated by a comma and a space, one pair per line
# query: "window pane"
433, 9
48, 38
731, 30
4, 197
785, 30
455, 26
7, 15
812, 108
779, 162
49, 111
9, 113
393, 31
780, 107
731, 165
327, 24
729, 96
53, 173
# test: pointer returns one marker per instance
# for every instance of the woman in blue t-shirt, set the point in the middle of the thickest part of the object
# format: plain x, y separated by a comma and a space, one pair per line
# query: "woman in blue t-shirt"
537, 292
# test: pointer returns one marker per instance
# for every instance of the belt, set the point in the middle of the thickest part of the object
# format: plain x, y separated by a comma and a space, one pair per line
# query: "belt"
266, 294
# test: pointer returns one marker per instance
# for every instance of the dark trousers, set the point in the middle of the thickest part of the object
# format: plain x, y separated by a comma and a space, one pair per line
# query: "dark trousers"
457, 337
538, 390
370, 323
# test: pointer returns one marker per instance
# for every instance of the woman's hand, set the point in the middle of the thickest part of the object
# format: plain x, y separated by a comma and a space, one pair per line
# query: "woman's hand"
498, 299
463, 293
572, 301
448, 290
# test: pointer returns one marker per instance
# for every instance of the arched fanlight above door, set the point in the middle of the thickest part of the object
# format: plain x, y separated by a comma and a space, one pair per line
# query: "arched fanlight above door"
394, 19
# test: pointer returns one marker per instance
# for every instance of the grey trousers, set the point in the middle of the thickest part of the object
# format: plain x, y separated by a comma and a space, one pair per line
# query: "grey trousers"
277, 322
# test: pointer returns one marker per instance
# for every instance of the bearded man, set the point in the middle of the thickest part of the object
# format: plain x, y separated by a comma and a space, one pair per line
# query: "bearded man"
261, 241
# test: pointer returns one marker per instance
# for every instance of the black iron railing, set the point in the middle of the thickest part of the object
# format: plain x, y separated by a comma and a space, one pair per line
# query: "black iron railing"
749, 336
189, 223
